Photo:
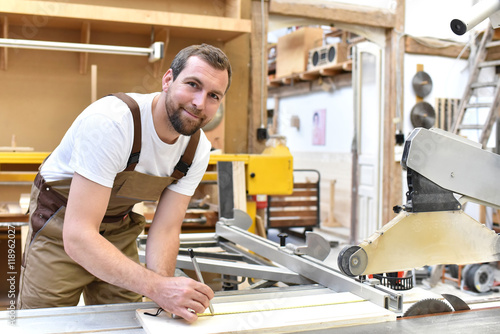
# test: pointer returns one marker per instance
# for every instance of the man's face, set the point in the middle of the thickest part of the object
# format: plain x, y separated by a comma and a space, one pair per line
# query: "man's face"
194, 97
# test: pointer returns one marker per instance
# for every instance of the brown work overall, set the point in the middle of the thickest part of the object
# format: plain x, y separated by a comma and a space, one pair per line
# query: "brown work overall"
49, 277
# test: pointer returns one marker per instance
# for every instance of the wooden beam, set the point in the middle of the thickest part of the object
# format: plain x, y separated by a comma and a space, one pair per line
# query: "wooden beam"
435, 47
334, 12
84, 56
238, 101
4, 51
392, 180
258, 86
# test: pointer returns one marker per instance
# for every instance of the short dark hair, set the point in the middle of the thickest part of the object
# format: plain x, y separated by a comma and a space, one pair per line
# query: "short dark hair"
211, 54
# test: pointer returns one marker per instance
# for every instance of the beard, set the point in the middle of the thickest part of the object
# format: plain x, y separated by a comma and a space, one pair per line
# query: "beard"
183, 125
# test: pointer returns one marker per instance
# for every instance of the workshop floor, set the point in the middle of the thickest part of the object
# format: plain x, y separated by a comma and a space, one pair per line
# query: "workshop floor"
431, 286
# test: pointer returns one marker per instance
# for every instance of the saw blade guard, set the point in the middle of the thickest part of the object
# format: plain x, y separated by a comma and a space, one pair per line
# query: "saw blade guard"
413, 240
432, 227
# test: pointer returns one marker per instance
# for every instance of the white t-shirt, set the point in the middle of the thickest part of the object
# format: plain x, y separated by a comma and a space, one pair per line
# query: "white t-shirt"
98, 145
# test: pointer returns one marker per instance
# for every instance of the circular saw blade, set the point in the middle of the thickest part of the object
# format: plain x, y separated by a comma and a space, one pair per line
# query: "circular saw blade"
422, 83
422, 115
457, 303
427, 306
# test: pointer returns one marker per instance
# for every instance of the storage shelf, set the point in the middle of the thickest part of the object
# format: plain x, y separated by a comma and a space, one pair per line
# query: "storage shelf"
313, 74
16, 178
22, 157
126, 20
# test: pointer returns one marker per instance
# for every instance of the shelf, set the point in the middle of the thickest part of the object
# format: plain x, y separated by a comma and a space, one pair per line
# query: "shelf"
125, 20
22, 157
20, 168
312, 75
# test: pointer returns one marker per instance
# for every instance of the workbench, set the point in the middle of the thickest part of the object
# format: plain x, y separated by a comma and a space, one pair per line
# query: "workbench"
122, 317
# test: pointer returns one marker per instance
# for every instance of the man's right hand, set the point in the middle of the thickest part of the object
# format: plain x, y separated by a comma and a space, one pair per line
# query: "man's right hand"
179, 295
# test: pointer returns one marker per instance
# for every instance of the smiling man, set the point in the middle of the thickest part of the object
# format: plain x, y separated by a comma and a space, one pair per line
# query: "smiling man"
121, 150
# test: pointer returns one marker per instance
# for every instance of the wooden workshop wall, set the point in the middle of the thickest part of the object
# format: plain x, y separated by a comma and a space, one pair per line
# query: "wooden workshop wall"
42, 92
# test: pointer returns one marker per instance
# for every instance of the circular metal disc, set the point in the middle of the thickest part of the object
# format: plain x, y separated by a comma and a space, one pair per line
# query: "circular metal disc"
480, 277
422, 115
422, 83
216, 120
358, 262
344, 258
457, 303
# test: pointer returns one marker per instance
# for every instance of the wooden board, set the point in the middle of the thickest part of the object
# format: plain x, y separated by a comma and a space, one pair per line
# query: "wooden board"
273, 315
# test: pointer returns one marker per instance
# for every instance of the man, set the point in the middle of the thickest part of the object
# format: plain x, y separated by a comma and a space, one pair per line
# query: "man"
120, 151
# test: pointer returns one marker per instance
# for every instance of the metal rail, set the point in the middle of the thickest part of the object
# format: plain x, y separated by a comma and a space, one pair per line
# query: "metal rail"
309, 267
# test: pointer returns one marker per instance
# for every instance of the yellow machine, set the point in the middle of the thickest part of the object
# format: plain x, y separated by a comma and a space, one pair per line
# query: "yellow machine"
269, 173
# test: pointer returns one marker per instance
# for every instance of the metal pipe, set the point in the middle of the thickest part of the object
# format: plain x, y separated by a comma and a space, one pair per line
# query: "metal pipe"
155, 51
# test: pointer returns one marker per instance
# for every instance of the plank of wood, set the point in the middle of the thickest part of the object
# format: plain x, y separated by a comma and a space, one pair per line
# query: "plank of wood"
260, 228
439, 48
239, 186
333, 11
93, 83
269, 315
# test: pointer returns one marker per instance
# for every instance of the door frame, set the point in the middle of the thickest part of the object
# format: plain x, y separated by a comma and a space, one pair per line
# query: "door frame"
356, 213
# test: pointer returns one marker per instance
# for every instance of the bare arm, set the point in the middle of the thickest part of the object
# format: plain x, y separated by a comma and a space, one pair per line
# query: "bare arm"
87, 204
163, 237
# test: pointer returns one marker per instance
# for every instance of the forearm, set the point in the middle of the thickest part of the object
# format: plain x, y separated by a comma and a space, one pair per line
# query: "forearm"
162, 248
162, 245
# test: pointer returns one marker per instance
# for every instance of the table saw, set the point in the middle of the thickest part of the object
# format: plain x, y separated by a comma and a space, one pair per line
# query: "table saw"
292, 289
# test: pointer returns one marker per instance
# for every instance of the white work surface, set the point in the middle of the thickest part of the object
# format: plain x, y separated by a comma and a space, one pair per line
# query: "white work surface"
123, 318
273, 315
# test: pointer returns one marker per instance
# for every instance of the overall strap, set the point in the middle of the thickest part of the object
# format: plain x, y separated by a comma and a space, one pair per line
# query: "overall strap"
186, 159
136, 115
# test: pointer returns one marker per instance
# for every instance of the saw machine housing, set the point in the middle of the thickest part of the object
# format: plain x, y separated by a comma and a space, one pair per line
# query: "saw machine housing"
444, 171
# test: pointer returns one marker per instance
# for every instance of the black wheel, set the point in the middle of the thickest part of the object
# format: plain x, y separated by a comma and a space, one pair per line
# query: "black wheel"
453, 270
480, 277
344, 257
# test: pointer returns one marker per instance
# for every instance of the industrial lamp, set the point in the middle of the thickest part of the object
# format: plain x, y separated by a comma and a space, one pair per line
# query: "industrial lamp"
471, 17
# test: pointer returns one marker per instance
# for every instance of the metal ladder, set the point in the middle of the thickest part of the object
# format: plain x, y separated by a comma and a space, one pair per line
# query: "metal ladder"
473, 84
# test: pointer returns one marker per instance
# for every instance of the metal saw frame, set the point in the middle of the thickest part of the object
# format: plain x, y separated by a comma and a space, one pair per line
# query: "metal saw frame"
249, 255
444, 171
